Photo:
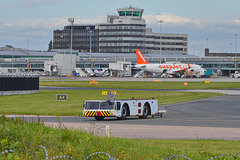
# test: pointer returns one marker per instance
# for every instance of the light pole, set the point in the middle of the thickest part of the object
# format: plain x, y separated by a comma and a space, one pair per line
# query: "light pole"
230, 47
12, 61
235, 59
71, 20
90, 50
90, 41
27, 43
61, 41
235, 45
161, 21
207, 43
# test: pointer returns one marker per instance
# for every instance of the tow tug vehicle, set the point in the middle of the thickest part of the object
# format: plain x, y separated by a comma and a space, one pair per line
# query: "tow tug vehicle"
121, 108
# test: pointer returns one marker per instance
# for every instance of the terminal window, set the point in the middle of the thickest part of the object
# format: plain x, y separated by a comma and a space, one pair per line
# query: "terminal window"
129, 13
136, 13
121, 13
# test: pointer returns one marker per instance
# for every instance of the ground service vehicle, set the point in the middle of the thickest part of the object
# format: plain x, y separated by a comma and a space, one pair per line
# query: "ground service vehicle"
121, 108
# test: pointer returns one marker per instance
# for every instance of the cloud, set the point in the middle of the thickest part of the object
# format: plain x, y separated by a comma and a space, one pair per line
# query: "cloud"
192, 25
171, 19
8, 25
219, 32
28, 3
15, 32
33, 3
38, 30
49, 23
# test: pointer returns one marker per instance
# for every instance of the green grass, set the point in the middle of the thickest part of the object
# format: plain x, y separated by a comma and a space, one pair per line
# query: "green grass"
17, 134
143, 85
45, 103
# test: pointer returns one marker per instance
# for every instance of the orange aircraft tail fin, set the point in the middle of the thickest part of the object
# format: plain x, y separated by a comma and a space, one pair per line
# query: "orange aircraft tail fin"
141, 59
188, 65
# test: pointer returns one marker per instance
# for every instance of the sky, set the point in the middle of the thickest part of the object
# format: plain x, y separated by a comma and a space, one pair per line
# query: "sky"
29, 24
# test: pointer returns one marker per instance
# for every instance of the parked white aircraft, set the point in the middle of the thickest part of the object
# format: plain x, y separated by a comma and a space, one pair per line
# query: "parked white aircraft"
164, 68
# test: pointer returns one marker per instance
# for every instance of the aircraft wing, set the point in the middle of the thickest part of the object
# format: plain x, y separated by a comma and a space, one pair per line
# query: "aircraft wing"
143, 66
140, 66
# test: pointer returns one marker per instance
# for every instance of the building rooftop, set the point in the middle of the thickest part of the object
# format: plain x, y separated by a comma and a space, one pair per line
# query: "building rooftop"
33, 53
24, 53
131, 55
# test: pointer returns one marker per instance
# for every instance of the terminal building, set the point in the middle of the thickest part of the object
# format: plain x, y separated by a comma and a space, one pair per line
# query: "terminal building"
166, 43
220, 54
61, 63
122, 33
80, 39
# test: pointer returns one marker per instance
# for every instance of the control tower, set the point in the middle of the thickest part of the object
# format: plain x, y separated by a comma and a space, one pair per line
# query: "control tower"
128, 15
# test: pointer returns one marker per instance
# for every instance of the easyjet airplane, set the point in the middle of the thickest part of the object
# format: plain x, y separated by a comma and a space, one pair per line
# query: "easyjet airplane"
164, 68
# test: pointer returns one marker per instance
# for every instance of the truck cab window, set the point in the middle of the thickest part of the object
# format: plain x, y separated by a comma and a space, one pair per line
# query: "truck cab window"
118, 105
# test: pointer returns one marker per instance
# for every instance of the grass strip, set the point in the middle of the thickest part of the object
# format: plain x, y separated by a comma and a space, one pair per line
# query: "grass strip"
142, 85
45, 103
18, 134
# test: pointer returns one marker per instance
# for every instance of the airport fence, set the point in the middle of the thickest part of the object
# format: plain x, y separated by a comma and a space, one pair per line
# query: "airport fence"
19, 83
102, 153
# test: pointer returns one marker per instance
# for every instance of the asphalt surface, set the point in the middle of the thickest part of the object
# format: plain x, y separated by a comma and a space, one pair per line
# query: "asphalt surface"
220, 111
212, 118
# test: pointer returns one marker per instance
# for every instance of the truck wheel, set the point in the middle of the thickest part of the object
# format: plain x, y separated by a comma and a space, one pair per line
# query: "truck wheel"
145, 112
99, 118
124, 112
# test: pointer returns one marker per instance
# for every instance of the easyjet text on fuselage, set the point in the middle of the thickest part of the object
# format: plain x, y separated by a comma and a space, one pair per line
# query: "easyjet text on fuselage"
173, 66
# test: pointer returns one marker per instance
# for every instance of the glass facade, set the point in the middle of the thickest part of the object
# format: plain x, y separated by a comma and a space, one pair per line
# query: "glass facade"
32, 66
166, 42
122, 38
121, 13
130, 13
81, 38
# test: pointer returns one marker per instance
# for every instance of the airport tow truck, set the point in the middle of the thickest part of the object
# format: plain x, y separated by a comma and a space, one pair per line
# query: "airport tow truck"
121, 108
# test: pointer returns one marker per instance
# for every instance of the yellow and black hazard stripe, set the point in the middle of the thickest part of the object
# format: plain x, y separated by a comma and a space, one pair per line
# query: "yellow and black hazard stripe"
89, 113
92, 113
